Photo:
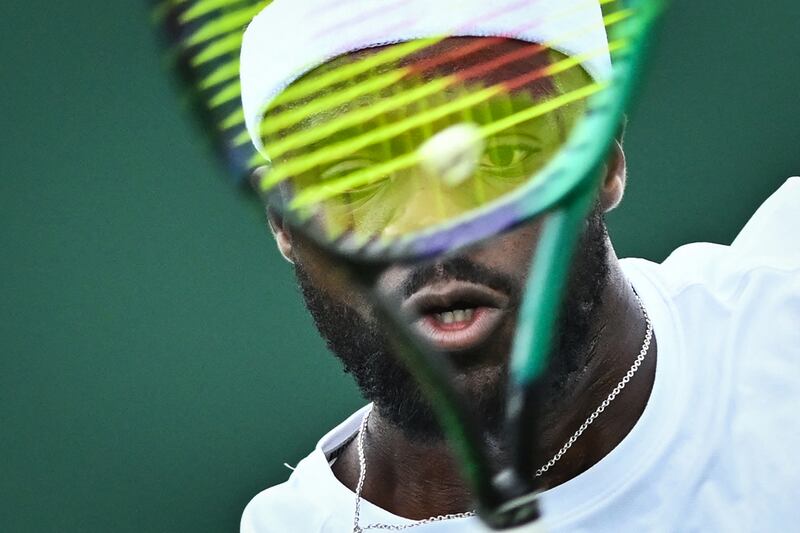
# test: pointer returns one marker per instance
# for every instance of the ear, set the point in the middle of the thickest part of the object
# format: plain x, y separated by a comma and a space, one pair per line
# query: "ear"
283, 237
613, 187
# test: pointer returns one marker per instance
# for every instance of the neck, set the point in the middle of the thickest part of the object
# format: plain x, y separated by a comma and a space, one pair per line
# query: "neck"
417, 480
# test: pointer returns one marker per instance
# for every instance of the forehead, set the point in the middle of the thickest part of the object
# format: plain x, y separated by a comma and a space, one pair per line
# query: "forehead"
475, 60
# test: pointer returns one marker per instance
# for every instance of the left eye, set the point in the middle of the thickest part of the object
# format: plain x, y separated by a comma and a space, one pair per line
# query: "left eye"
506, 152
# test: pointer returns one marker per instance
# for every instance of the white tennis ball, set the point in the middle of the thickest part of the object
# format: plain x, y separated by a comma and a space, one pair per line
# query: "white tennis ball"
453, 154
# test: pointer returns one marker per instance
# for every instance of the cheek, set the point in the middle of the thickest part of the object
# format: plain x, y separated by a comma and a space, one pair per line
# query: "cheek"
326, 276
392, 279
510, 253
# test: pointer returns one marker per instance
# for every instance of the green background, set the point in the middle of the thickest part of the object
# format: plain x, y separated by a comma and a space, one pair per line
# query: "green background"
156, 365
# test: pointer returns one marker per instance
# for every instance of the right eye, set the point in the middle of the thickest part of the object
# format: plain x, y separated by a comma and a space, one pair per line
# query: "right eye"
344, 169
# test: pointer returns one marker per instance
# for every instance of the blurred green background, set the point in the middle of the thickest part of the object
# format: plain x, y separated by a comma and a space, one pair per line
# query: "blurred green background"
157, 367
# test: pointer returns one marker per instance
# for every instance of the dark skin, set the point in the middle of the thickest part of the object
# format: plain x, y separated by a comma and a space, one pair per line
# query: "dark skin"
418, 479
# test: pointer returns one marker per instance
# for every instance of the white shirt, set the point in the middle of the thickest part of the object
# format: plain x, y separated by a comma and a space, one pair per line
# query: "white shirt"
717, 447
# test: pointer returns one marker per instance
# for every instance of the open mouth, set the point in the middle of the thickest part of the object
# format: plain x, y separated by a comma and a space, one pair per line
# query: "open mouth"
456, 315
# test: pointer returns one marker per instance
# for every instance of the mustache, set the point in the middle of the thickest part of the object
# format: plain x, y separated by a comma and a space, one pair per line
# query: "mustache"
458, 269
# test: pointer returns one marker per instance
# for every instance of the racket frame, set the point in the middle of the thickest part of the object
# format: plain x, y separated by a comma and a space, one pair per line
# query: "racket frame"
562, 195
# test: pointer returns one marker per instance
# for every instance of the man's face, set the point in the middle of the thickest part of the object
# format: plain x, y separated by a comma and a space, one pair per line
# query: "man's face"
464, 306
481, 289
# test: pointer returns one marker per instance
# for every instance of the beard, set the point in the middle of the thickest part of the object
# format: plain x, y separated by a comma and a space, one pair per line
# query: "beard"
367, 353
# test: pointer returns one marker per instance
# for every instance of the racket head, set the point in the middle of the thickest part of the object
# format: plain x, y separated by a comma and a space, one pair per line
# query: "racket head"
366, 136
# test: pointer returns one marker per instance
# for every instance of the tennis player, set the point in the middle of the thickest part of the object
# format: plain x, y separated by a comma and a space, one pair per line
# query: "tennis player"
702, 436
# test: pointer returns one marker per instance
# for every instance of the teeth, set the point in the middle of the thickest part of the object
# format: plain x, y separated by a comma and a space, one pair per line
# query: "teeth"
458, 315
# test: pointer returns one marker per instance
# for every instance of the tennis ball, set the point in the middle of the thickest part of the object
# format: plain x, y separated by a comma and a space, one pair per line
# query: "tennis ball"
453, 154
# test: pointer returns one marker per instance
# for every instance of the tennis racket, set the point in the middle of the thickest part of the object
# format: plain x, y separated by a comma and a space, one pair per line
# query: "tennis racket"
347, 142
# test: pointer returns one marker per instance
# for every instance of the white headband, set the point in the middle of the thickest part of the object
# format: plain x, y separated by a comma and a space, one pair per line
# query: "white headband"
289, 38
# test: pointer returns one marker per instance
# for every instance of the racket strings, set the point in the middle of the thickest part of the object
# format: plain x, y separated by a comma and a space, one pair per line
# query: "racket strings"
472, 108
200, 8
339, 100
231, 42
350, 146
330, 189
206, 36
312, 85
348, 117
303, 90
325, 128
215, 27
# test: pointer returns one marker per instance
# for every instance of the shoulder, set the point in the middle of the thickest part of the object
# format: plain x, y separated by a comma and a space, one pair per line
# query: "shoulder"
272, 510
305, 502
312, 499
280, 509
763, 259
727, 321
773, 229
736, 305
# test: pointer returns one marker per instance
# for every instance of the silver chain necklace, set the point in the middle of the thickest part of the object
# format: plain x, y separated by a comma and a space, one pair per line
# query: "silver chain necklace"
362, 461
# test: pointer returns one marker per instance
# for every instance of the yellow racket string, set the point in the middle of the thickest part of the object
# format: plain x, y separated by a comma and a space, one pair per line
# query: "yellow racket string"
342, 149
326, 129
377, 172
308, 87
205, 7
336, 151
222, 36
313, 85
471, 115
400, 51
226, 45
228, 22
322, 104
535, 111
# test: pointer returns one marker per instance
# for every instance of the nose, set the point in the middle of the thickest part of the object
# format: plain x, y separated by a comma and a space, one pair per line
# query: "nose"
422, 202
